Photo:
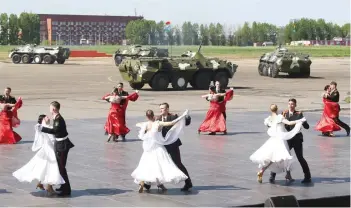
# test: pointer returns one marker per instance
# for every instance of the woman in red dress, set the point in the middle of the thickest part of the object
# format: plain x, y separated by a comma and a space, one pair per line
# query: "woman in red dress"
215, 121
331, 110
116, 119
8, 120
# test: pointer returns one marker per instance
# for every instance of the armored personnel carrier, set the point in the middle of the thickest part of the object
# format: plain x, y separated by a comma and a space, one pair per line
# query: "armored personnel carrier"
37, 54
283, 61
139, 51
190, 67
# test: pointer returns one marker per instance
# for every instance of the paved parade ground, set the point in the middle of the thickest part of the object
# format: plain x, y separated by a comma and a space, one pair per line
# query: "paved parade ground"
219, 166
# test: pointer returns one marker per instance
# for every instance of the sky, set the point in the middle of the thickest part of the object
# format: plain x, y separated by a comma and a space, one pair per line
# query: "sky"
229, 12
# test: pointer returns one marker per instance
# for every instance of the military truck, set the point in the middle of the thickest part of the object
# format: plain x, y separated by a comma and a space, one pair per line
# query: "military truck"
190, 67
283, 61
37, 54
136, 51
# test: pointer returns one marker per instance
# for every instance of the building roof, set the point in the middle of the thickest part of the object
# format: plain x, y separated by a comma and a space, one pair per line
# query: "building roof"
87, 18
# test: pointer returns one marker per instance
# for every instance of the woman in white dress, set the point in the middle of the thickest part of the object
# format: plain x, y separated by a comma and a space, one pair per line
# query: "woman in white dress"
155, 165
43, 166
274, 153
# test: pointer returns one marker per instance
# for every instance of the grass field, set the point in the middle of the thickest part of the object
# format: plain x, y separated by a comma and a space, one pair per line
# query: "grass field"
230, 51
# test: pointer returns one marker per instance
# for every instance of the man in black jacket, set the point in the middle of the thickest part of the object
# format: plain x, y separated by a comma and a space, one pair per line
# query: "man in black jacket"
7, 98
296, 141
62, 145
334, 96
173, 149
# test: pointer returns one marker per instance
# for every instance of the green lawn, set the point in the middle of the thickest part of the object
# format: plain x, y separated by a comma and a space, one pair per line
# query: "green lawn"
244, 52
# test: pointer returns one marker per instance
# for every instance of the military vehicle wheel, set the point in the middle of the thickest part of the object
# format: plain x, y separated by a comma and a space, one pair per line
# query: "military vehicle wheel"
274, 71
179, 82
136, 86
25, 59
16, 59
223, 78
269, 70
202, 80
61, 61
260, 69
306, 73
265, 70
47, 59
37, 59
53, 59
160, 81
118, 60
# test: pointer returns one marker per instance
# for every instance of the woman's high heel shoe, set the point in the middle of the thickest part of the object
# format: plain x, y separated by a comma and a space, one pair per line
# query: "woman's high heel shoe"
141, 187
259, 176
162, 187
40, 186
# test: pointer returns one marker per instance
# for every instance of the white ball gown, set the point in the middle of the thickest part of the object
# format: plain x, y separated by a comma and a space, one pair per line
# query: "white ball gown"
155, 165
276, 149
43, 166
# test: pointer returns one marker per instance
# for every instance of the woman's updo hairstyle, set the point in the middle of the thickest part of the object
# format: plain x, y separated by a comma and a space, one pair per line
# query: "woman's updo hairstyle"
274, 108
40, 118
326, 87
150, 114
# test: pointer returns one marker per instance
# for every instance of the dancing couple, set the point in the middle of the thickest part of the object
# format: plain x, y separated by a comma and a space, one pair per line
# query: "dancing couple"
48, 166
330, 121
9, 118
215, 120
115, 125
161, 161
285, 133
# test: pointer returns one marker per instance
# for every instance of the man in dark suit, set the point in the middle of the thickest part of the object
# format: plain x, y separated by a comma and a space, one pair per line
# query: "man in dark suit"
334, 96
173, 149
62, 145
296, 141
7, 98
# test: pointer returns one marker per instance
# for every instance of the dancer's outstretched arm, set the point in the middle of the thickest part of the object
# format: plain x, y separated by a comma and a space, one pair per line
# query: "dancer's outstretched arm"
290, 123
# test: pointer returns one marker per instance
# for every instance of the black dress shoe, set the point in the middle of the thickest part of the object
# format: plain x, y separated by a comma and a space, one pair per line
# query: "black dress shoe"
306, 180
186, 187
63, 194
147, 186
58, 189
212, 133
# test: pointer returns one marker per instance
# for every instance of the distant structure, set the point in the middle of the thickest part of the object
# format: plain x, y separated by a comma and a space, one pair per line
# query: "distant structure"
84, 29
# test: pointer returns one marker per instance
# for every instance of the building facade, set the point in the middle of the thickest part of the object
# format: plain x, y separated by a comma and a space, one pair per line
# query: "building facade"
83, 29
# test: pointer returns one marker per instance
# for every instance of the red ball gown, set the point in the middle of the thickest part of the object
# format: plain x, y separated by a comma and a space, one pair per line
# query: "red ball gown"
326, 123
116, 118
8, 120
214, 121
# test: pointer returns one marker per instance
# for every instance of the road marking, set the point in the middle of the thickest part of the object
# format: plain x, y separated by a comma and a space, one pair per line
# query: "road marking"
110, 78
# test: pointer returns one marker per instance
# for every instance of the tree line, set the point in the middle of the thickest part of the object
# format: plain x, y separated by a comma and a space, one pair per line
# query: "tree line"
22, 29
146, 32
25, 29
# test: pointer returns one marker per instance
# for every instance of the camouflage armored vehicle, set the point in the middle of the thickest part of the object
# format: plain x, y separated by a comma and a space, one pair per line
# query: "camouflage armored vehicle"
191, 67
281, 60
37, 54
138, 51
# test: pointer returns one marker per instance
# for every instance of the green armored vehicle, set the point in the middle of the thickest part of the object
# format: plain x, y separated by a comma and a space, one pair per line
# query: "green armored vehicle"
190, 67
136, 51
281, 60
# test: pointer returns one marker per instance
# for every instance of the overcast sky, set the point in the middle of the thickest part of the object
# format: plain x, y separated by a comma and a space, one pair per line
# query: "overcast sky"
229, 12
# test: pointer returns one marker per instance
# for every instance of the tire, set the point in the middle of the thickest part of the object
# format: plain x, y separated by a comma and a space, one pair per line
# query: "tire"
136, 86
260, 69
202, 80
61, 61
223, 78
118, 60
53, 59
160, 81
265, 70
37, 59
179, 82
275, 71
47, 59
16, 59
269, 70
306, 73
